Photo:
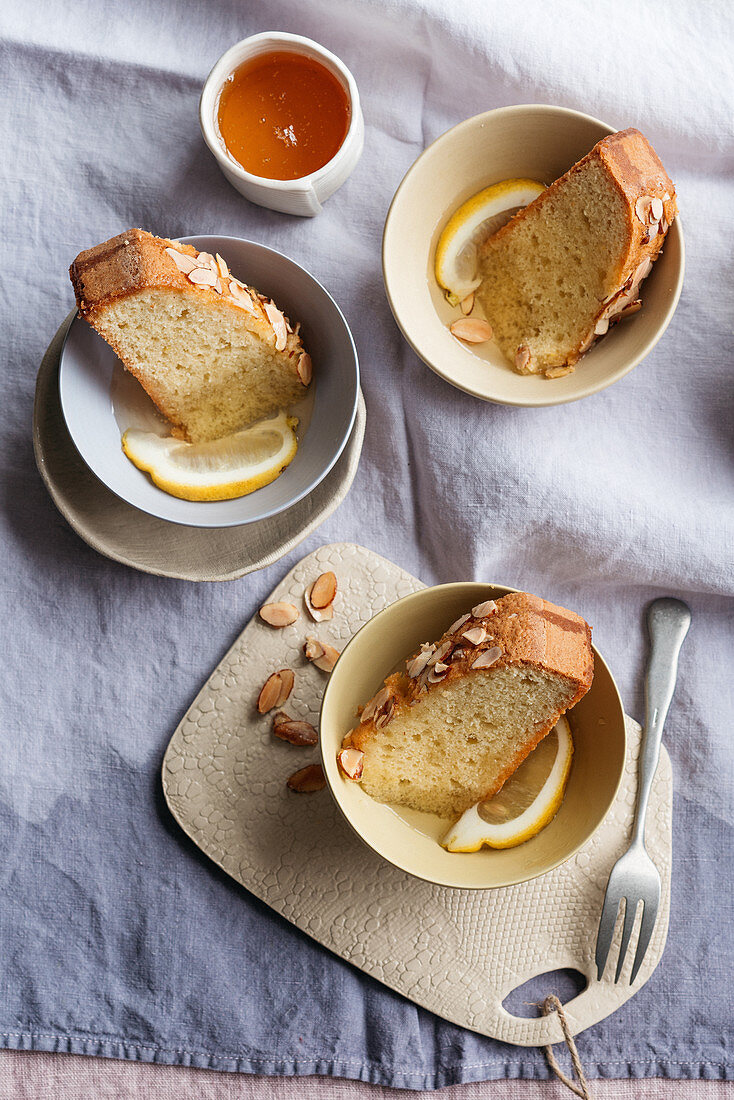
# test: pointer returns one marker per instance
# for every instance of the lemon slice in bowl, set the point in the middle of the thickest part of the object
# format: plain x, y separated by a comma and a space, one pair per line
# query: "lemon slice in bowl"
528, 801
221, 470
456, 261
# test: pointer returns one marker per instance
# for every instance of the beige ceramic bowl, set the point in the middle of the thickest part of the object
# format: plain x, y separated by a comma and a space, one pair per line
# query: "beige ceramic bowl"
410, 840
536, 142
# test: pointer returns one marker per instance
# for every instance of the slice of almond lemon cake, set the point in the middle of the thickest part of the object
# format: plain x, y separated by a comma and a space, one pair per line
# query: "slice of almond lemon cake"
212, 353
448, 732
571, 262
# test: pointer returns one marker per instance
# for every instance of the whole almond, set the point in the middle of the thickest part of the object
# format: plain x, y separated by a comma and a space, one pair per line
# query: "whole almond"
466, 305
293, 730
323, 590
472, 330
308, 779
278, 614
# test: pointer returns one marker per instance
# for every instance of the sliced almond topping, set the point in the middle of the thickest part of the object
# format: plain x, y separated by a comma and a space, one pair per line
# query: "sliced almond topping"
385, 714
459, 622
437, 673
476, 635
487, 658
472, 330
652, 231
278, 322
241, 298
278, 614
218, 286
376, 704
664, 225
323, 590
318, 614
522, 358
308, 779
657, 209
643, 207
440, 653
600, 327
642, 271
293, 730
632, 307
222, 265
305, 368
183, 262
667, 196
483, 609
351, 762
417, 664
559, 372
202, 276
270, 694
466, 305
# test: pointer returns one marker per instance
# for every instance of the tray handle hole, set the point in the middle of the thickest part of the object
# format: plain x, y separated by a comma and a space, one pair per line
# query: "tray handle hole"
524, 1001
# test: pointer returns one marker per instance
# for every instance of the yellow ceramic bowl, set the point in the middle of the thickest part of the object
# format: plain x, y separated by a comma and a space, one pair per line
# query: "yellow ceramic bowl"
536, 142
410, 840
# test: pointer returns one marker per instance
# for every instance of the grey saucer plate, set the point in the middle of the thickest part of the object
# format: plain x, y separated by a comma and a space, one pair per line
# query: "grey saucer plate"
100, 401
127, 535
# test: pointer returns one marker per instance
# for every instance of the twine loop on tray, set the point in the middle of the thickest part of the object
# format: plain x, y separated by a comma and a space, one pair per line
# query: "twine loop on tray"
552, 1004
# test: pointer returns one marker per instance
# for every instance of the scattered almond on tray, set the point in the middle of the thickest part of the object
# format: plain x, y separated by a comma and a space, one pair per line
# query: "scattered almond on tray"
308, 779
319, 597
275, 690
295, 731
279, 614
321, 654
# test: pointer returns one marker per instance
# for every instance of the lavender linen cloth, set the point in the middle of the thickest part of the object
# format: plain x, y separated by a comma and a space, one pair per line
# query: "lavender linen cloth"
116, 937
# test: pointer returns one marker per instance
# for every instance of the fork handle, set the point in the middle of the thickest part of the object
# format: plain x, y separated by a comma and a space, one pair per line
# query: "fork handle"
667, 623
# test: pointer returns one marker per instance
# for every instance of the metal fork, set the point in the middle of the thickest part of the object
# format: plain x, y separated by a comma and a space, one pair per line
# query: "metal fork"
634, 876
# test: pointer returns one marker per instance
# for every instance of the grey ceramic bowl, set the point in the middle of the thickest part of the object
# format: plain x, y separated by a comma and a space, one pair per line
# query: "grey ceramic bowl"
100, 400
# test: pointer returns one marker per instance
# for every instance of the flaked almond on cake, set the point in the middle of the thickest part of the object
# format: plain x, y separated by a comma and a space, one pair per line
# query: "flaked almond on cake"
571, 263
470, 707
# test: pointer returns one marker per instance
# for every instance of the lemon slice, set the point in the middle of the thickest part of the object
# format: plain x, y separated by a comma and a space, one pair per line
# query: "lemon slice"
477, 219
225, 468
527, 802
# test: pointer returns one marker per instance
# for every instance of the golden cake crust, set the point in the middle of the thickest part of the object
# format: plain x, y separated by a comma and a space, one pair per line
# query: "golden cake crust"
136, 260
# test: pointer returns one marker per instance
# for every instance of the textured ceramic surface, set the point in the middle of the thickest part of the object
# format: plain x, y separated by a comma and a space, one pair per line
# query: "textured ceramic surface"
409, 839
100, 400
458, 953
303, 196
535, 142
131, 537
